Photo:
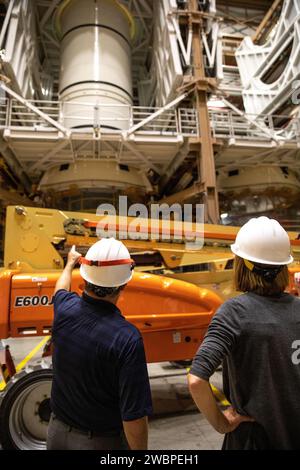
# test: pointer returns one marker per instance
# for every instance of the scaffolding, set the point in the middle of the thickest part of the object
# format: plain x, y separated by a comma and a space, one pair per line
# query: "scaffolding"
185, 55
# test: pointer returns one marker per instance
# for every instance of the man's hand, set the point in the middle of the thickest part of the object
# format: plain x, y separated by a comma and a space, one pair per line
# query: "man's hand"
234, 419
64, 281
73, 257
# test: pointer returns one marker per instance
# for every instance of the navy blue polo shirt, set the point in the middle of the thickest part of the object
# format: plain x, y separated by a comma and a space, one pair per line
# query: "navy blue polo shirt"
100, 372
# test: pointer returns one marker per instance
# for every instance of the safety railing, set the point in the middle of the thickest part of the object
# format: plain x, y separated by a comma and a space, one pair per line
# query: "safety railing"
85, 117
19, 114
3, 111
164, 123
188, 121
226, 124
80, 116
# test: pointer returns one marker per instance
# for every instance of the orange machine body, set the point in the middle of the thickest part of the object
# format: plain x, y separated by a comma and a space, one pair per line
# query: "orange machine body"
172, 315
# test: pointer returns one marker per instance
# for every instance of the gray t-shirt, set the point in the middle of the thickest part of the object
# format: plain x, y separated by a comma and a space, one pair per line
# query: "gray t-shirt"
256, 338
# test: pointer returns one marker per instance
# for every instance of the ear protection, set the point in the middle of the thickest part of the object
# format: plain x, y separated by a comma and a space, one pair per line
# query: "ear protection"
268, 273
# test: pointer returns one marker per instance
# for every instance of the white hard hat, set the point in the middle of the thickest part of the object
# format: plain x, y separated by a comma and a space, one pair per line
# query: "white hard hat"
107, 264
263, 240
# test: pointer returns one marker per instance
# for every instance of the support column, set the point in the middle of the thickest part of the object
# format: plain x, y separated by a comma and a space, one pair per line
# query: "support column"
205, 158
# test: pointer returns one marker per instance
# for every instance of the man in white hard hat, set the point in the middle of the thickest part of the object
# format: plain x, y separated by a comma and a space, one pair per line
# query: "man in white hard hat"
100, 395
256, 335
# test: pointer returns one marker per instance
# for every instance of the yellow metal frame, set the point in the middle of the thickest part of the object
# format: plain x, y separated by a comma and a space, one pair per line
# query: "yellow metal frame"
33, 234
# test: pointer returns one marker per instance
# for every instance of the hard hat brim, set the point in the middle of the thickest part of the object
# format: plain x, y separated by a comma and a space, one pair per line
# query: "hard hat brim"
92, 276
241, 254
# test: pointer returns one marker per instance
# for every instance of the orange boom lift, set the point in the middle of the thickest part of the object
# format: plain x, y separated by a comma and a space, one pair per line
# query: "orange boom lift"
172, 315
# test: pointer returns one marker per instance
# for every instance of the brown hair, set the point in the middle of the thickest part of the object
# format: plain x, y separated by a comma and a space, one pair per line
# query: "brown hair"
248, 281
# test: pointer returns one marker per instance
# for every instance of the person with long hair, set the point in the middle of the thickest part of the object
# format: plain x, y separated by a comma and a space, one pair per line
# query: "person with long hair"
256, 336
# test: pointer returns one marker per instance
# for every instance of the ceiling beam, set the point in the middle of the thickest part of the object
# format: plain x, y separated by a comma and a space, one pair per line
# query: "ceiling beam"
48, 13
251, 4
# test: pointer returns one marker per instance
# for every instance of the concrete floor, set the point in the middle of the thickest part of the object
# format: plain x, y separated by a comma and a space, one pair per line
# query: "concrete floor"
176, 424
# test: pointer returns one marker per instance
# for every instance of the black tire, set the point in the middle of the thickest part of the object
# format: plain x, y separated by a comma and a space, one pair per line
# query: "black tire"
21, 427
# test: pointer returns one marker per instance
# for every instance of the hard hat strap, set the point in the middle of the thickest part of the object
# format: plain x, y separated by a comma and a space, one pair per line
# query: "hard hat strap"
115, 262
268, 274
